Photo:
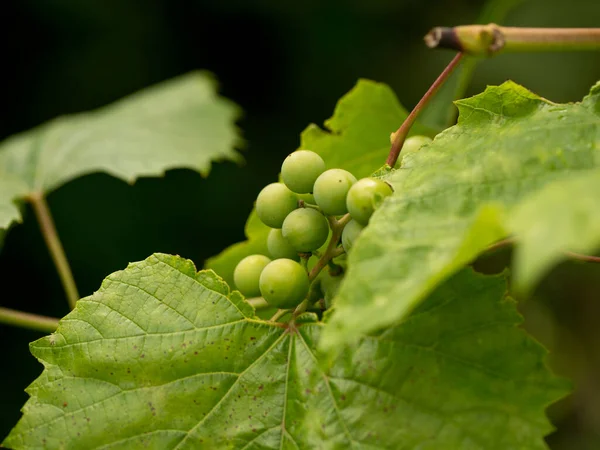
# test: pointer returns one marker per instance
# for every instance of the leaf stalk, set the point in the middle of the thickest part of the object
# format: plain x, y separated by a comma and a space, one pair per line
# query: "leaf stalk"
57, 252
27, 320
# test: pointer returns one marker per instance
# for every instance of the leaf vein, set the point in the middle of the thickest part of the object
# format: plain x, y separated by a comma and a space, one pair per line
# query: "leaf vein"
330, 392
230, 390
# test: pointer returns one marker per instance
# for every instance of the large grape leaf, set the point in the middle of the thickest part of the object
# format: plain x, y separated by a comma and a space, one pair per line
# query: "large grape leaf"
163, 357
455, 198
180, 123
355, 138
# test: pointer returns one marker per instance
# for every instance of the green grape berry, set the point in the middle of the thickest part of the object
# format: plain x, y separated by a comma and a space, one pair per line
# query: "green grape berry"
274, 203
411, 145
350, 233
414, 143
246, 275
305, 229
300, 170
284, 283
330, 191
279, 247
364, 196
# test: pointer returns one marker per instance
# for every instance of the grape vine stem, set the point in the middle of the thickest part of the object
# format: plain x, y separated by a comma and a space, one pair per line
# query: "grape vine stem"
27, 320
488, 40
402, 132
57, 252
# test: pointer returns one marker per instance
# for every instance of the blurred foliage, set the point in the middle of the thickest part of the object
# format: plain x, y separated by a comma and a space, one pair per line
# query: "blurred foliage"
286, 64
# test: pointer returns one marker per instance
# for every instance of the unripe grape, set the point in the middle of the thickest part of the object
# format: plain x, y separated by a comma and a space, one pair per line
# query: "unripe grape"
411, 145
279, 247
305, 229
274, 203
330, 191
414, 143
246, 275
364, 196
417, 140
284, 283
350, 233
300, 170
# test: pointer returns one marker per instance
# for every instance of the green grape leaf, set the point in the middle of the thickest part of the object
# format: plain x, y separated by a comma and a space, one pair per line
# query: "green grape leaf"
161, 357
11, 189
559, 218
180, 123
455, 198
356, 139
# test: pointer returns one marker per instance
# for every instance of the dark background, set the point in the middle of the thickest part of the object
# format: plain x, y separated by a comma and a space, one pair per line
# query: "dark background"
286, 64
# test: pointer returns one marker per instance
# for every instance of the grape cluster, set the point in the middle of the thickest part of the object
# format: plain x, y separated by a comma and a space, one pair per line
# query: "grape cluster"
302, 212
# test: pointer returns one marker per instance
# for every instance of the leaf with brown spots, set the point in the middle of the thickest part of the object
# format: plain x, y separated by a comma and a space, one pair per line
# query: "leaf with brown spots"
162, 357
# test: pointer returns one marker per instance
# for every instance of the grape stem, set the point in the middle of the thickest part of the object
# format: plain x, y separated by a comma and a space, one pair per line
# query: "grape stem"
488, 40
303, 204
48, 228
402, 132
304, 257
257, 302
28, 320
280, 313
301, 308
332, 251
